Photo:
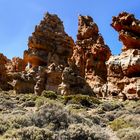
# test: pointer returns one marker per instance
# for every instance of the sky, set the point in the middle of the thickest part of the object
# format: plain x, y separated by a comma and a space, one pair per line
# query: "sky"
19, 17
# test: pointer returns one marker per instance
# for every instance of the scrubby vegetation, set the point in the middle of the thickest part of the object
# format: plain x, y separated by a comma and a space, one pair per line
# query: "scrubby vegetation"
75, 117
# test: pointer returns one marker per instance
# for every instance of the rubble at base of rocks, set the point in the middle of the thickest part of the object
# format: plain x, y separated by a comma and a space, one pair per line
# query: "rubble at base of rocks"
54, 62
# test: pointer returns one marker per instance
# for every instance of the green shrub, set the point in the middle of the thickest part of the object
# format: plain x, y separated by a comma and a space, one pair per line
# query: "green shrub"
49, 94
20, 121
28, 104
119, 123
110, 106
30, 133
3, 128
84, 132
84, 100
129, 134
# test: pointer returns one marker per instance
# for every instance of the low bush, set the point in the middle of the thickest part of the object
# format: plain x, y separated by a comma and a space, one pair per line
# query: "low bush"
119, 123
84, 100
30, 133
49, 94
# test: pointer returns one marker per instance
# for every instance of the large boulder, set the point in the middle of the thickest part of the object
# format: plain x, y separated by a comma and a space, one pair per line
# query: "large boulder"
24, 82
74, 84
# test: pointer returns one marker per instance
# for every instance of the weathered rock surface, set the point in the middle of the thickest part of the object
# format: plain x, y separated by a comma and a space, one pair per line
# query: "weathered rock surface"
124, 69
15, 65
50, 47
74, 84
49, 43
3, 75
129, 30
40, 81
91, 53
24, 82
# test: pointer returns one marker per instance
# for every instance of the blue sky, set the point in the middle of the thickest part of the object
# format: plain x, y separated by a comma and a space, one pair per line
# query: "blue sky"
19, 17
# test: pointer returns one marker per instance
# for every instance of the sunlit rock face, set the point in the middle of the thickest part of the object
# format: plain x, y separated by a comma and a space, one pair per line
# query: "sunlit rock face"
50, 47
49, 43
124, 69
91, 53
128, 28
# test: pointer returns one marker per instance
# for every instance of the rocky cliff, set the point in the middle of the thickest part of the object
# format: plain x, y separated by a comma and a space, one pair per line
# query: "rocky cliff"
124, 69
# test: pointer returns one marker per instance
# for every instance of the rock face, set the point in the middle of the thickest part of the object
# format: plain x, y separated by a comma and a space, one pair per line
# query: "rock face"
124, 69
50, 47
129, 30
91, 53
15, 65
49, 43
73, 84
3, 75
24, 82
56, 63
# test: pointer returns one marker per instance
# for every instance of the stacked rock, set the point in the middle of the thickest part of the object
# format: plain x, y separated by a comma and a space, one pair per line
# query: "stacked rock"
91, 53
124, 69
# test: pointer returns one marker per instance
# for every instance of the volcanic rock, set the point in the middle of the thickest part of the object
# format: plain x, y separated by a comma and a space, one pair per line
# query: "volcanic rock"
49, 43
3, 75
124, 69
129, 30
91, 53
15, 65
74, 84
24, 82
51, 48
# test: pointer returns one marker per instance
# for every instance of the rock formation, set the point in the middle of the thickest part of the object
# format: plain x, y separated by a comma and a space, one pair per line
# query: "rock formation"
3, 75
74, 84
124, 69
40, 81
91, 53
15, 65
54, 62
24, 82
49, 43
50, 47
129, 30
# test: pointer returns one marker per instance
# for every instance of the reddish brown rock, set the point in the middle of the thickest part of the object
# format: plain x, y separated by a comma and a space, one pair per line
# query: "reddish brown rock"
91, 53
3, 61
3, 75
15, 65
129, 30
74, 84
49, 43
50, 47
124, 69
